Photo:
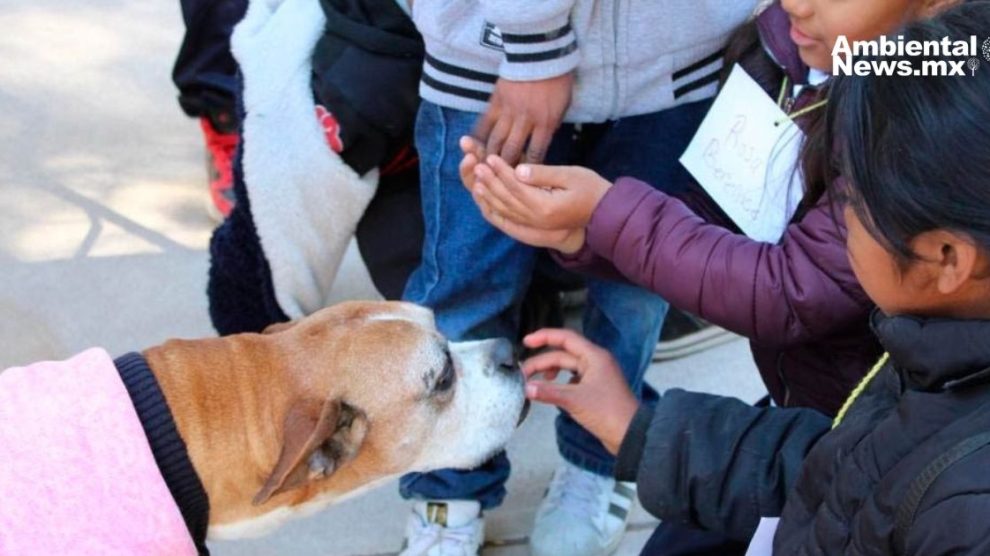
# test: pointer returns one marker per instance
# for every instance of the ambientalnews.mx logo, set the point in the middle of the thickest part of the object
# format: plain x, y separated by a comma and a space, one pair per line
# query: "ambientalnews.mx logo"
942, 58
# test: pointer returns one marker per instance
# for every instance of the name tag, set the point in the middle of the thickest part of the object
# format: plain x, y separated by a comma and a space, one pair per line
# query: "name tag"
745, 155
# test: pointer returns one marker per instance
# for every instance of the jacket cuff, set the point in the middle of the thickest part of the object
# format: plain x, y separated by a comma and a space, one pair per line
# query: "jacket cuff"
612, 214
539, 51
631, 450
581, 258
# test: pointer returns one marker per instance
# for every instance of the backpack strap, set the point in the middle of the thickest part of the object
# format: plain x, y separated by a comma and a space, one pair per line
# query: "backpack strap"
919, 487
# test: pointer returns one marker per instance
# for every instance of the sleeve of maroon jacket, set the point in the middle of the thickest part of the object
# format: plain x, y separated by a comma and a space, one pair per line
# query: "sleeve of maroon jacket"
779, 294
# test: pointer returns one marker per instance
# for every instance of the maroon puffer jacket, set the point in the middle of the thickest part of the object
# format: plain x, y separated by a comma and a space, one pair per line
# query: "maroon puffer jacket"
798, 301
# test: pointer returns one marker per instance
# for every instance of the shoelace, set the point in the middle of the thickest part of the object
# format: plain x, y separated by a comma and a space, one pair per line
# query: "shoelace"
430, 535
577, 492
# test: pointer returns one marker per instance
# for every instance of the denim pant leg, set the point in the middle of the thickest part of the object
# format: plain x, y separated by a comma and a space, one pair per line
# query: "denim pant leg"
648, 147
625, 320
622, 318
471, 275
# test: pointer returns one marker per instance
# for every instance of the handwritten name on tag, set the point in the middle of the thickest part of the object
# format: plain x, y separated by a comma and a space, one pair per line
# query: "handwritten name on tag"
745, 155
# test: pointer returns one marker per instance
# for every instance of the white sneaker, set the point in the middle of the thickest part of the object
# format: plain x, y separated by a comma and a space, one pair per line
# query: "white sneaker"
444, 528
582, 514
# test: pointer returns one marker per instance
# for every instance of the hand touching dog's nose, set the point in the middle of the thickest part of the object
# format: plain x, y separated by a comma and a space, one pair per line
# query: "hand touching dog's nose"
597, 396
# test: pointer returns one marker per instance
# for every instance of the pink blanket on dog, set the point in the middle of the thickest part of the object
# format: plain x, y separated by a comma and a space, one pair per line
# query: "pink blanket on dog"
76, 473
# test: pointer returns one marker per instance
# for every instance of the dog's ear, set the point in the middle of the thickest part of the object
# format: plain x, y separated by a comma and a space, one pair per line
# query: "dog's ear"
278, 327
317, 439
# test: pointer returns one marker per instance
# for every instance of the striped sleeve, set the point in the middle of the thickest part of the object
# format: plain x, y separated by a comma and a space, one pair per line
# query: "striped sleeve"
537, 37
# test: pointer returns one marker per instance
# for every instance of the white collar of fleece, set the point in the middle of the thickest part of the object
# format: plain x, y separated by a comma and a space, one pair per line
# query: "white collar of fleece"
305, 200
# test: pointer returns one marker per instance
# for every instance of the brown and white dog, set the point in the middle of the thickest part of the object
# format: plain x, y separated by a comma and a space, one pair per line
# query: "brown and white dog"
284, 423
279, 424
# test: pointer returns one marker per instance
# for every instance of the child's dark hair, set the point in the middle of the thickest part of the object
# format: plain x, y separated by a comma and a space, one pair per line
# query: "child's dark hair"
915, 151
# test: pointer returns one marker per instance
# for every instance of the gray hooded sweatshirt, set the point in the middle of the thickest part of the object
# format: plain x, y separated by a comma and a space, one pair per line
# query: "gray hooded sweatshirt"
629, 56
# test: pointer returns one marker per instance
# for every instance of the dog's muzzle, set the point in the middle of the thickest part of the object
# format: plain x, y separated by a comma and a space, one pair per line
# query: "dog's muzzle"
505, 360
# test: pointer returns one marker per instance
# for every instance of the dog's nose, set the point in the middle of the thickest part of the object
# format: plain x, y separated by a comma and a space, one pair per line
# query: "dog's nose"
504, 357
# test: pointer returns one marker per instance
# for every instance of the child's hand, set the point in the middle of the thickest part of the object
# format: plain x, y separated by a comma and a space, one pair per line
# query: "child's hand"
474, 153
567, 241
548, 197
598, 396
524, 114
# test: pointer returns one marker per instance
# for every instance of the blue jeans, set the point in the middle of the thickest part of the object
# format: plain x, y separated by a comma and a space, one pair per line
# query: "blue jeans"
474, 277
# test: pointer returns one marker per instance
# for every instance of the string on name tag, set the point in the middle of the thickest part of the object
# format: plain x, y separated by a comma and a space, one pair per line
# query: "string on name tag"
793, 116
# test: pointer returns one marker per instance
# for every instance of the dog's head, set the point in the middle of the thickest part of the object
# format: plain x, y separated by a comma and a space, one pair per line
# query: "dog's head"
379, 393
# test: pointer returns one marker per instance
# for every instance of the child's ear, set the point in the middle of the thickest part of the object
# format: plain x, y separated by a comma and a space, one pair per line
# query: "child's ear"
957, 259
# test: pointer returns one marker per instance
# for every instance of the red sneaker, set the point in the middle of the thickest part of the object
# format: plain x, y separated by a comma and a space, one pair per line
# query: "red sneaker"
220, 149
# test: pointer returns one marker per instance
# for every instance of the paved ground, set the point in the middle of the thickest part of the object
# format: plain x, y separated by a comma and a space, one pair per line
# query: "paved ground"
103, 238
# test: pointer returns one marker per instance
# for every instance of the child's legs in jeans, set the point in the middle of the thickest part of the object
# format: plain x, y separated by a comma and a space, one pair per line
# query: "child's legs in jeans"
472, 276
623, 318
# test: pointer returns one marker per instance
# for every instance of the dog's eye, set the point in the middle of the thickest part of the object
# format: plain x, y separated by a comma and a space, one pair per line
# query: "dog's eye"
446, 380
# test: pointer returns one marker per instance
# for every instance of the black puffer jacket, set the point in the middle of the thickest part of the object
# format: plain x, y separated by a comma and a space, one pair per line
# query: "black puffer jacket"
904, 473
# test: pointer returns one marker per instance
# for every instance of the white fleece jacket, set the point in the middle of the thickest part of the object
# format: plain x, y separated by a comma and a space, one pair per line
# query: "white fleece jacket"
305, 200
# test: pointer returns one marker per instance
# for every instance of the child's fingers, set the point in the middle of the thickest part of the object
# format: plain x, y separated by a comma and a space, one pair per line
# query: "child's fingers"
548, 376
525, 194
513, 147
539, 143
496, 184
484, 126
466, 169
559, 395
548, 361
470, 145
498, 135
490, 214
519, 232
567, 340
483, 188
538, 339
486, 209
500, 222
539, 175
